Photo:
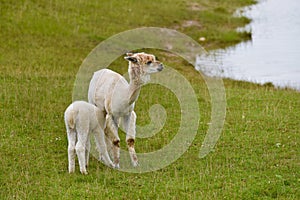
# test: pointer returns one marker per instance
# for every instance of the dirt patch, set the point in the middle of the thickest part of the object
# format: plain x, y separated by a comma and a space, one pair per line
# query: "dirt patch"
195, 6
189, 23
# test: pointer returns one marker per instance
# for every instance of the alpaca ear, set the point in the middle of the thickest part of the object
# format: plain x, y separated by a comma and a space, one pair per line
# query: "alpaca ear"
130, 58
129, 54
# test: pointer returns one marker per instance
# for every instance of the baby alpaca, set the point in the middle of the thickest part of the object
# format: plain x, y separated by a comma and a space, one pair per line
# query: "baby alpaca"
82, 119
115, 97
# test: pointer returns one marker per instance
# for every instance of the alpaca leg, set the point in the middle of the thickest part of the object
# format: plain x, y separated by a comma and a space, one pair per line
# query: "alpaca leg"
112, 129
80, 150
87, 151
101, 146
108, 140
71, 149
128, 124
82, 134
108, 143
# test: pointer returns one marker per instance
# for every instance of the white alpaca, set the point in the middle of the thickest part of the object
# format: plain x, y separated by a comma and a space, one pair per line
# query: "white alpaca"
82, 119
115, 97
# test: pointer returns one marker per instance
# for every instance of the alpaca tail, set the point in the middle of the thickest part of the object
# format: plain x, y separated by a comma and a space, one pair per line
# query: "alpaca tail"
70, 116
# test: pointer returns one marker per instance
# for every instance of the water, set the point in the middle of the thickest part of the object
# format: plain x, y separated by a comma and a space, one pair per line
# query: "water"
273, 54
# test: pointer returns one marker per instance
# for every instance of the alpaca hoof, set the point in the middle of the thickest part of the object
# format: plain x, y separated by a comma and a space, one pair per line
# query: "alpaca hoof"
111, 165
101, 158
135, 164
84, 172
71, 170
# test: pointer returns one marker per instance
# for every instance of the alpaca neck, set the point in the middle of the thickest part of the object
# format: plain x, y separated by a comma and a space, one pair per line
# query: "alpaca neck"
134, 92
136, 81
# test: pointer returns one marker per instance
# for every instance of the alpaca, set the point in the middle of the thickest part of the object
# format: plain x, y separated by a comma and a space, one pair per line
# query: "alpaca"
115, 97
82, 119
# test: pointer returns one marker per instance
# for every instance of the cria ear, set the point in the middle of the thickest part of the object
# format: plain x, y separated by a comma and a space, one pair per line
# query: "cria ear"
130, 58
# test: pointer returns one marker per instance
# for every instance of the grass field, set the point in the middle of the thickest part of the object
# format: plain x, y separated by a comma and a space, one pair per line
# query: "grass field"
42, 45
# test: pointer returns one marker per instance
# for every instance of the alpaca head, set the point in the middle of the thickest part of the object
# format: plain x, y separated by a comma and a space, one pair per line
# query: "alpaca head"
141, 65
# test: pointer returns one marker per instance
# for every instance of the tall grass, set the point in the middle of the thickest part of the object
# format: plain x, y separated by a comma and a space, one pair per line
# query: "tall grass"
42, 44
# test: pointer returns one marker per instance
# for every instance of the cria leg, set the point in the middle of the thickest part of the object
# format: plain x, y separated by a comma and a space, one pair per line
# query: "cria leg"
87, 151
82, 135
71, 149
101, 146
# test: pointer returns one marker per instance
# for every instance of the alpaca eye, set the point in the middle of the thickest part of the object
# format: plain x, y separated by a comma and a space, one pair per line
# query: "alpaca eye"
149, 62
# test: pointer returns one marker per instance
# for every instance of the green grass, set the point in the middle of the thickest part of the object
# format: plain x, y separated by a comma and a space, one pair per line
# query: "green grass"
42, 45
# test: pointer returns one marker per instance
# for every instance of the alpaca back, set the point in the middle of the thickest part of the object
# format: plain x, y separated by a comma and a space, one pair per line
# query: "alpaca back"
108, 90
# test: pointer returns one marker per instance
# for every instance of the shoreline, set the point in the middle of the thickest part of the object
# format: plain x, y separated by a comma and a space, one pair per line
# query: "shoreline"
234, 63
